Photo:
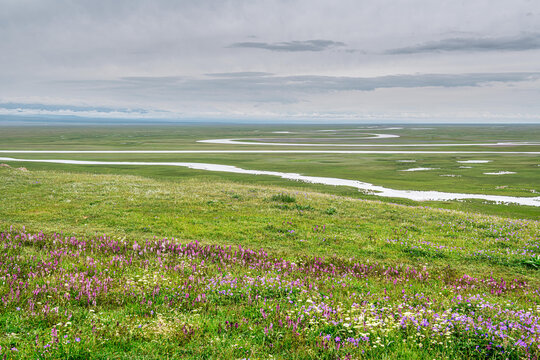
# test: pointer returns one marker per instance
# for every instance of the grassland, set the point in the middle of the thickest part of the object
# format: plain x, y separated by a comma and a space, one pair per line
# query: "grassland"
162, 262
379, 169
336, 277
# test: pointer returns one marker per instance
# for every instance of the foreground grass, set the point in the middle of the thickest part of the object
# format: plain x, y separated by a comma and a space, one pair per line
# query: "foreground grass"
227, 213
67, 297
337, 277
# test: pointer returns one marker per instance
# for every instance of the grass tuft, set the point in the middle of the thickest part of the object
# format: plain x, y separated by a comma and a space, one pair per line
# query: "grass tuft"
284, 198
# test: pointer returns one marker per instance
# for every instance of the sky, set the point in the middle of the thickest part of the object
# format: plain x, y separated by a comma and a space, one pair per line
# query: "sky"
292, 60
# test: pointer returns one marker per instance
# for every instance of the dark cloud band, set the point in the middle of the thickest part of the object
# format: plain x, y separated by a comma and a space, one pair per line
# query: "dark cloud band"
263, 87
520, 43
307, 45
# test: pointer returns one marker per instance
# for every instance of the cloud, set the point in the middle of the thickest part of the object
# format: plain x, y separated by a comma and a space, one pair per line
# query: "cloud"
302, 56
241, 74
73, 108
256, 82
254, 87
518, 43
291, 46
45, 111
266, 96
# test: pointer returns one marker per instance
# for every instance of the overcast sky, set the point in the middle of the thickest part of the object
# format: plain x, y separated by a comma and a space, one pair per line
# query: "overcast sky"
369, 60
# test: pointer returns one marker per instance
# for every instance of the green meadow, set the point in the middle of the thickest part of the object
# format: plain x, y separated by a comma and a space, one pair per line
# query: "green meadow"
384, 169
105, 261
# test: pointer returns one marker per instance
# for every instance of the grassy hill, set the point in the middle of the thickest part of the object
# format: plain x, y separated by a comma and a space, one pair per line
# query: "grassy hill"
112, 266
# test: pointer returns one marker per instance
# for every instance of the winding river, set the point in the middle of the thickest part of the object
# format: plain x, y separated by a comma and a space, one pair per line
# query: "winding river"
363, 186
244, 142
262, 152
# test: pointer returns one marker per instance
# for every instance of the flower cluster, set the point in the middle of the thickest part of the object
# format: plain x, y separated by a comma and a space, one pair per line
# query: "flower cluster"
86, 292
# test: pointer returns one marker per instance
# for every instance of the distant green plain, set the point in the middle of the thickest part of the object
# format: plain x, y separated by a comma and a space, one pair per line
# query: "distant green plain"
378, 169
